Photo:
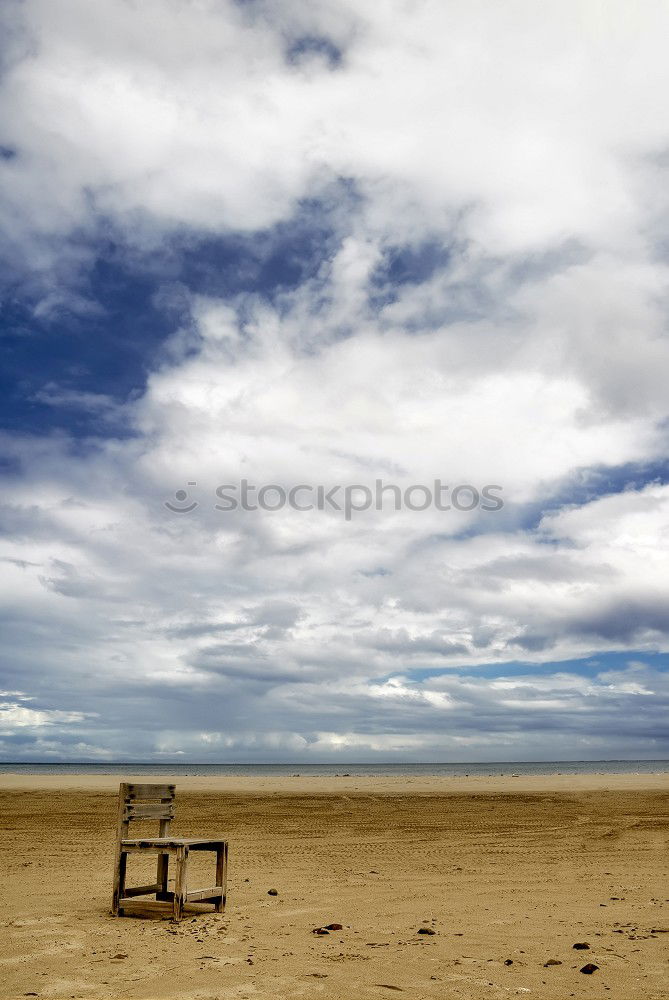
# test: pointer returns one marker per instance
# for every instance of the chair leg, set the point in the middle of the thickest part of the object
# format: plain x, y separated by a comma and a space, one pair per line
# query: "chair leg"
162, 875
119, 882
221, 874
180, 883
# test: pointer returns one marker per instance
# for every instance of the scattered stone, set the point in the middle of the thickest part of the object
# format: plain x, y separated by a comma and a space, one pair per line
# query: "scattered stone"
318, 975
334, 927
581, 946
388, 986
508, 961
426, 930
588, 969
660, 930
120, 955
552, 961
320, 930
272, 892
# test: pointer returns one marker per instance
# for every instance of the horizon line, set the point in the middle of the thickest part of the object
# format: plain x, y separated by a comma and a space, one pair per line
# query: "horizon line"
350, 763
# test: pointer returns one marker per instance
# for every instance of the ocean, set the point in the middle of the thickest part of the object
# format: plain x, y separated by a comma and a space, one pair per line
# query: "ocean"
354, 770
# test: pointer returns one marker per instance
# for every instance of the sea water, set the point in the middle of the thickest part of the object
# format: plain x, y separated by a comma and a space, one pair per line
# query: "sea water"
375, 770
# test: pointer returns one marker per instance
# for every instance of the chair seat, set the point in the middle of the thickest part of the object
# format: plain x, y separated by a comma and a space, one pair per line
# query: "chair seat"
157, 842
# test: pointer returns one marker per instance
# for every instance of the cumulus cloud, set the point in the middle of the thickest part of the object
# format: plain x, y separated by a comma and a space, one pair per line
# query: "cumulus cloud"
485, 304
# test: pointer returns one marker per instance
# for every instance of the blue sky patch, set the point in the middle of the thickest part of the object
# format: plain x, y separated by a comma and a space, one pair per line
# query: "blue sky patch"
309, 46
589, 666
106, 329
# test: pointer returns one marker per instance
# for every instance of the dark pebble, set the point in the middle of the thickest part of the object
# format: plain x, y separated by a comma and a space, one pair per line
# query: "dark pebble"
552, 961
333, 927
273, 892
589, 969
426, 930
581, 946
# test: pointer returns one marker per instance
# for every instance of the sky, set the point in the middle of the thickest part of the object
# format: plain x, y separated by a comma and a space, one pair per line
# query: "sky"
325, 244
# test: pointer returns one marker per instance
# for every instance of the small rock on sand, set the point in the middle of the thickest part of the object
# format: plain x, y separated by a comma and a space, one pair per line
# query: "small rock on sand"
552, 961
426, 930
581, 946
589, 969
272, 892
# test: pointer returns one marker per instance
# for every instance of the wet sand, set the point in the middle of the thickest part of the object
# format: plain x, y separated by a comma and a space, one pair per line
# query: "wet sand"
509, 873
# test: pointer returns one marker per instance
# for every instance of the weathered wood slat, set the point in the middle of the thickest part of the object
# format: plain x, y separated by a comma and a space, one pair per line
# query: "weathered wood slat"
141, 848
141, 890
164, 843
121, 858
214, 893
180, 883
150, 792
221, 874
138, 901
162, 868
149, 810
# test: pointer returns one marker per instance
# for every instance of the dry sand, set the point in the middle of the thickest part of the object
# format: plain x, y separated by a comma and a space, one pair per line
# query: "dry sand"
504, 870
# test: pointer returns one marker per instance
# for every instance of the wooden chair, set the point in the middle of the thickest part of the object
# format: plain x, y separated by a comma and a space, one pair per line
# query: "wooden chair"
156, 802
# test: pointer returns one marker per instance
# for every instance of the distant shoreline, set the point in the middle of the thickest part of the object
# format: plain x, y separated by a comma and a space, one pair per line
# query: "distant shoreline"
348, 785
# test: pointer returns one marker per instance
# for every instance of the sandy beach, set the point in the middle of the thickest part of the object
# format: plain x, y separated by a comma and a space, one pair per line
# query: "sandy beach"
509, 873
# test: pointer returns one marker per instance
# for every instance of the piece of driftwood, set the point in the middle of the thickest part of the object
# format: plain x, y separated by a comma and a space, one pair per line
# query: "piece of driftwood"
156, 802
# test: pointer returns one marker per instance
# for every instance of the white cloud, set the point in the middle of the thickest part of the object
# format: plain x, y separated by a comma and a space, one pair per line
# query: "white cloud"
532, 118
16, 716
524, 142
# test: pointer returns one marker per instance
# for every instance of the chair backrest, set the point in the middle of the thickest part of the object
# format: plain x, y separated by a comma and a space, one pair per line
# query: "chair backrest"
145, 802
